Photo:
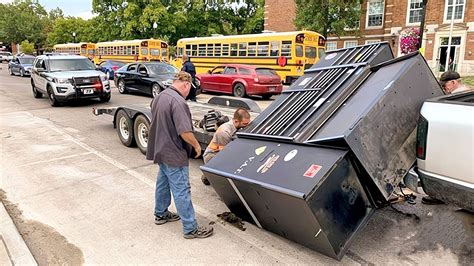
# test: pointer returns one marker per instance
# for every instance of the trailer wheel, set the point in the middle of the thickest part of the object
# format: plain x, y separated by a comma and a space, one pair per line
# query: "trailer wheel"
141, 128
124, 126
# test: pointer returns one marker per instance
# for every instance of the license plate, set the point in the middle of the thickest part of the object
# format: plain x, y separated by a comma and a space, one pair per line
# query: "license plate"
272, 88
88, 91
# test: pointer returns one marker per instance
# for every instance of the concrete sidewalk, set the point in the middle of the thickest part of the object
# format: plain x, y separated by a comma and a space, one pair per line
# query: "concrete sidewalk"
13, 249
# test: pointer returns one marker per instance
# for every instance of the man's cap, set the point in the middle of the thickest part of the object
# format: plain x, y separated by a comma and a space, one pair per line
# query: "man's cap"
184, 76
447, 76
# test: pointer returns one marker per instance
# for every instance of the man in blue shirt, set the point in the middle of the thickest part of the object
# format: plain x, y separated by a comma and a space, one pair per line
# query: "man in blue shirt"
189, 67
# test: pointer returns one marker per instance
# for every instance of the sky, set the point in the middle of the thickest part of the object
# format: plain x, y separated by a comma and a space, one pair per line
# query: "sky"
76, 8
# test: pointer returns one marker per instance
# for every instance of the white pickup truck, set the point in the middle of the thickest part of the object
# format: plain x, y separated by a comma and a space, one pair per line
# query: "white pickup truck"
445, 149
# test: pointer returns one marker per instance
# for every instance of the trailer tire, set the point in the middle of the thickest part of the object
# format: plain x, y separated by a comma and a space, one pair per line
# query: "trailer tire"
124, 127
141, 127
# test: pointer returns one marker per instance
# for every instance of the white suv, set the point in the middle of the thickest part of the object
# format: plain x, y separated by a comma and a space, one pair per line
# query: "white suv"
68, 77
5, 56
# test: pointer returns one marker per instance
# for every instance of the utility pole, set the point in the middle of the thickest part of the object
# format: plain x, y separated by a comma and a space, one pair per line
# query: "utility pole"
422, 25
74, 36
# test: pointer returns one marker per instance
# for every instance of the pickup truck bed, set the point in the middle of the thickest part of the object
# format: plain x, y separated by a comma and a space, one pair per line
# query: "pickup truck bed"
445, 149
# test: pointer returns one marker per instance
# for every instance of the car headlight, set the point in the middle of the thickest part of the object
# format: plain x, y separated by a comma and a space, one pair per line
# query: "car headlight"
168, 82
61, 81
103, 78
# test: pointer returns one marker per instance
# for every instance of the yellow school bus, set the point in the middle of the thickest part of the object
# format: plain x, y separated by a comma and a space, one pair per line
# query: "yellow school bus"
82, 48
288, 53
132, 51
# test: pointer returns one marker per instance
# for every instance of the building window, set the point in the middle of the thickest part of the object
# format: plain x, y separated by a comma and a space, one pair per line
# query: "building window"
371, 41
375, 13
458, 6
331, 46
415, 8
348, 44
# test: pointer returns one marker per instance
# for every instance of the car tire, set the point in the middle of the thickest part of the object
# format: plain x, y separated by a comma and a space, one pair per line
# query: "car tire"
22, 72
155, 90
36, 93
10, 71
52, 99
124, 127
141, 128
239, 90
121, 86
105, 98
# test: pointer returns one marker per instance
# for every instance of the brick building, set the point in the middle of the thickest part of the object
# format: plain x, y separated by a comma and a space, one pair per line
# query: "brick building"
384, 20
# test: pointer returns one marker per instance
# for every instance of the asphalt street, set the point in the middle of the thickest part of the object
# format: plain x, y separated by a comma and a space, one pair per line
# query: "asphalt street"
78, 195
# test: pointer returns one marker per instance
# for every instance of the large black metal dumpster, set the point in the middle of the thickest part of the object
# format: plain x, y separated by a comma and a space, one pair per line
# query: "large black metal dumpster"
313, 166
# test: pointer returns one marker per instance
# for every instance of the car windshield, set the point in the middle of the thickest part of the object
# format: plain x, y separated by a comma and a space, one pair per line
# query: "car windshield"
70, 64
161, 69
265, 72
27, 61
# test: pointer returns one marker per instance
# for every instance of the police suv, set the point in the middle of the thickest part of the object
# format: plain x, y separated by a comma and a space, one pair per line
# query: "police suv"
68, 77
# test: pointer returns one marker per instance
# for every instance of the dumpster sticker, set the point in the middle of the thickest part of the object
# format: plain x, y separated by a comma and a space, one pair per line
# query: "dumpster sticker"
290, 155
312, 170
268, 164
244, 165
260, 150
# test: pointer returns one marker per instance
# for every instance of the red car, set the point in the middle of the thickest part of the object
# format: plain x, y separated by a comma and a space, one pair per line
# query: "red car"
242, 80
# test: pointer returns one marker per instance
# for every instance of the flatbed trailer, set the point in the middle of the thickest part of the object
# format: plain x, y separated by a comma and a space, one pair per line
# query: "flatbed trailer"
132, 122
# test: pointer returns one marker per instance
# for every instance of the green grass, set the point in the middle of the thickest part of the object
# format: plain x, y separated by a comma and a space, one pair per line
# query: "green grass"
469, 81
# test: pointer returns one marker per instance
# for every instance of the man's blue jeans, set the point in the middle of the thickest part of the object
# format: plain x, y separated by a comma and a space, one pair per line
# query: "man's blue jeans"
176, 179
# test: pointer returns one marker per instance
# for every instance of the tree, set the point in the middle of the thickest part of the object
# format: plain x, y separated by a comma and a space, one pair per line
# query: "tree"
23, 20
177, 19
64, 27
27, 47
333, 17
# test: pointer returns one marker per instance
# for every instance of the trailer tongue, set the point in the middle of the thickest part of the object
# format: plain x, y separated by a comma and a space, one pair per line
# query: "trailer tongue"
315, 164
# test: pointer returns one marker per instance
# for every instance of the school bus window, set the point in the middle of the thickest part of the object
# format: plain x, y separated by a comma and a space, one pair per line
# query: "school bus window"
310, 51
194, 50
210, 48
225, 50
252, 49
286, 48
275, 49
202, 50
299, 50
90, 52
164, 52
262, 49
144, 51
217, 49
188, 50
321, 52
155, 51
242, 49
83, 51
233, 49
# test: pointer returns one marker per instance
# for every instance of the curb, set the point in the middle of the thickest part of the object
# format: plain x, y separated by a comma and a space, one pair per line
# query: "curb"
15, 247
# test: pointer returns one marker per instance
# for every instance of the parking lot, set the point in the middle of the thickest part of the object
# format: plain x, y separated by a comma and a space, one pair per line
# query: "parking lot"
77, 195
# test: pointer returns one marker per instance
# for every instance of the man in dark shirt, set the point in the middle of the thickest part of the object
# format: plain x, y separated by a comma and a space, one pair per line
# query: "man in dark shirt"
170, 143
188, 67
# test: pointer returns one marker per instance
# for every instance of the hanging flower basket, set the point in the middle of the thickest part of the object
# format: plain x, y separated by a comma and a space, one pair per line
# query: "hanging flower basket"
409, 40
